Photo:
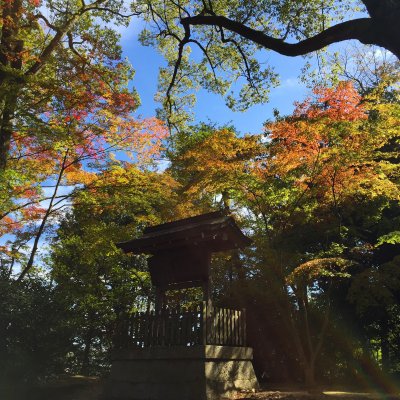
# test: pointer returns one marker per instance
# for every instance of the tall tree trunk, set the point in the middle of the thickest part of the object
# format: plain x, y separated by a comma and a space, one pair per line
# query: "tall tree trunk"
384, 337
309, 376
86, 352
6, 127
11, 48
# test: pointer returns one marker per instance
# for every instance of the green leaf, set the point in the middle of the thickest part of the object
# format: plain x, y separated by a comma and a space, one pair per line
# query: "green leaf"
390, 238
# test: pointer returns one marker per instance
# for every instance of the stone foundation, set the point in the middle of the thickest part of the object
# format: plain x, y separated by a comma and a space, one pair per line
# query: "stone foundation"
206, 372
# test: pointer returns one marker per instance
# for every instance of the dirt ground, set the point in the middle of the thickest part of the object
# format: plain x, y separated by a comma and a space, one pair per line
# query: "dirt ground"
303, 395
86, 388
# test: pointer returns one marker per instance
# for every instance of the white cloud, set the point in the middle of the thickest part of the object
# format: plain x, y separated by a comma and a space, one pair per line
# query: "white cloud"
290, 83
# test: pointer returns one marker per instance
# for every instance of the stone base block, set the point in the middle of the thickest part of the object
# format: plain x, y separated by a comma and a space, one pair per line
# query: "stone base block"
181, 373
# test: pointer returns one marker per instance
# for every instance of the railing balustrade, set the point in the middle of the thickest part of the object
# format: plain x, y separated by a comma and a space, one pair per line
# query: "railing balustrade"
199, 325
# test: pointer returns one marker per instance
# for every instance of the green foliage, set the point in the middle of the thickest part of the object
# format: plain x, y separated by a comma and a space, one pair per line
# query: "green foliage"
390, 238
222, 45
317, 269
36, 331
318, 192
320, 199
102, 286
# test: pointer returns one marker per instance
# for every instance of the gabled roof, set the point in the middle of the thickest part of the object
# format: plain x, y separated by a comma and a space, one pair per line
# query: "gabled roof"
214, 231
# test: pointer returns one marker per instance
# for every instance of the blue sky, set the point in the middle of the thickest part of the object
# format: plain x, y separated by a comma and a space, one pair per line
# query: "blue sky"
146, 61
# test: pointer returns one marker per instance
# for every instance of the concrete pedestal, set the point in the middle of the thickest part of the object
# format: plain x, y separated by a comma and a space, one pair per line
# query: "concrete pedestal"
206, 372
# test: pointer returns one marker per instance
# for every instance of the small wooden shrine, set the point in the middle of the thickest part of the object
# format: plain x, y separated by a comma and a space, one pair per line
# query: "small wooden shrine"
198, 353
181, 250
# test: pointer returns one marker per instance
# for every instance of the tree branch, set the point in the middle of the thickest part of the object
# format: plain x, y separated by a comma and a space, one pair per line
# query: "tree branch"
29, 264
361, 29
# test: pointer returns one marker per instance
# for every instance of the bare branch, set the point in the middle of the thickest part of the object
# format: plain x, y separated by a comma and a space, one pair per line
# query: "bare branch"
29, 264
109, 10
72, 47
47, 22
178, 62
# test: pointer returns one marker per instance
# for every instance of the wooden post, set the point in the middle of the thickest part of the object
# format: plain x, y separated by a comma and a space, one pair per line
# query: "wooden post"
223, 325
206, 291
237, 327
204, 313
244, 327
230, 327
198, 318
159, 303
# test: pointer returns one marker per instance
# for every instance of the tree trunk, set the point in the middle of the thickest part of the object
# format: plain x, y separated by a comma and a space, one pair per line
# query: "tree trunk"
6, 123
86, 352
11, 48
306, 363
309, 376
384, 336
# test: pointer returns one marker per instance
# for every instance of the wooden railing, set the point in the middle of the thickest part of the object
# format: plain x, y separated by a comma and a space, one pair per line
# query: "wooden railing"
199, 325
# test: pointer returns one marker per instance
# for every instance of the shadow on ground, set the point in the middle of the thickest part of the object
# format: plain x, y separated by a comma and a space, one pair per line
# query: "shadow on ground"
322, 395
90, 388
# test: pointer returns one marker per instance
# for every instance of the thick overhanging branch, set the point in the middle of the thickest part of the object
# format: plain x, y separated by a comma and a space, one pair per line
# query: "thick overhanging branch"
361, 29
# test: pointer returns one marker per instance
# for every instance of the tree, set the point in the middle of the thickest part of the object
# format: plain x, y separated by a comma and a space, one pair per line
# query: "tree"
311, 284
314, 193
102, 286
36, 41
35, 334
367, 67
349, 186
88, 119
225, 36
377, 308
212, 161
70, 155
379, 29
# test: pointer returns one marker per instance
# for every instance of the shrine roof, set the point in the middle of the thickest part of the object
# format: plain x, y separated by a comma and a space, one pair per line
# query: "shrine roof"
214, 231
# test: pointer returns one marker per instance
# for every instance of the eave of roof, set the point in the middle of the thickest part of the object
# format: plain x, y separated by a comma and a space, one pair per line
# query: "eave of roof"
215, 230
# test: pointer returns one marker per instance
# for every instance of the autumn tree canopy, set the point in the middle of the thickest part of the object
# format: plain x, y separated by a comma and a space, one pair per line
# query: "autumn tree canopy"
318, 190
38, 39
224, 36
67, 111
212, 44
